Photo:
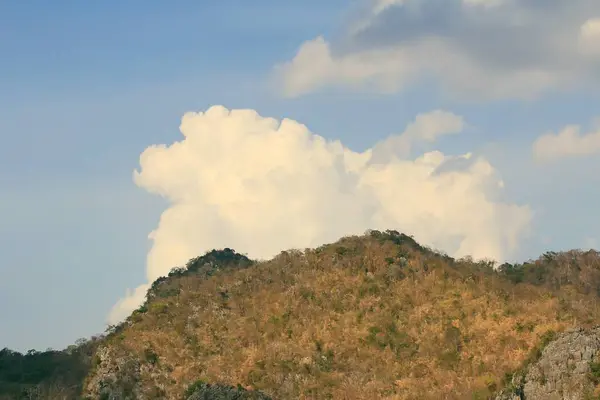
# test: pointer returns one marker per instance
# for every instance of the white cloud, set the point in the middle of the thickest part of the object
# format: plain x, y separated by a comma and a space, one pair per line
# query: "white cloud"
261, 186
132, 300
426, 128
589, 37
485, 49
484, 3
381, 5
567, 143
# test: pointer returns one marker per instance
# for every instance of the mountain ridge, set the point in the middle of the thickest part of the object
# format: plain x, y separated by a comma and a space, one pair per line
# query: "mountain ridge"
373, 315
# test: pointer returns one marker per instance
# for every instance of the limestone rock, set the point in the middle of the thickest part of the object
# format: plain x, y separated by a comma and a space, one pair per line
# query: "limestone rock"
563, 372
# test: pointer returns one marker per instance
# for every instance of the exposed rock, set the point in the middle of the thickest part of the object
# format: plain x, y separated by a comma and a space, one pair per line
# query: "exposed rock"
564, 371
116, 377
514, 391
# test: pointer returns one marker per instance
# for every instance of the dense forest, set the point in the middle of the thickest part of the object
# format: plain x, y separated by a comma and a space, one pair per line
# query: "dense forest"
48, 374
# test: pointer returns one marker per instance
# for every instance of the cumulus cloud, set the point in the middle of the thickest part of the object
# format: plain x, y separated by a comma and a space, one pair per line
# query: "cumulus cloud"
485, 49
426, 128
260, 186
589, 37
569, 142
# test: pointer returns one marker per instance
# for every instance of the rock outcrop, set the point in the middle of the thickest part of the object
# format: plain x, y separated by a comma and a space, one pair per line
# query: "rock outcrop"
567, 369
116, 377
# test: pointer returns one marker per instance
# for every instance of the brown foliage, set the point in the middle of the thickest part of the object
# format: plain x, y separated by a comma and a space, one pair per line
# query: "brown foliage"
376, 316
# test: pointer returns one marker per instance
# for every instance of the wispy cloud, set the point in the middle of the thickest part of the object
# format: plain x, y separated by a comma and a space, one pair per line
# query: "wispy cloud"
569, 142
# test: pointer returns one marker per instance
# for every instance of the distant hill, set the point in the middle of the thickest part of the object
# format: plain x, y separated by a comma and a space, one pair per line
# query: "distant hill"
372, 316
46, 375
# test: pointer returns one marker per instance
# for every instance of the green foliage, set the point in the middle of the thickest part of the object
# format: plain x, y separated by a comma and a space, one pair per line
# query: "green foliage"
196, 386
397, 238
528, 327
369, 288
390, 337
546, 338
449, 359
394, 273
203, 266
201, 390
216, 259
553, 270
340, 250
324, 360
158, 307
151, 356
142, 309
453, 338
39, 372
595, 372
307, 294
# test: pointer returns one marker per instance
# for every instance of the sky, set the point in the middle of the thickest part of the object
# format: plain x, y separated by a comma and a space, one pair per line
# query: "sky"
137, 135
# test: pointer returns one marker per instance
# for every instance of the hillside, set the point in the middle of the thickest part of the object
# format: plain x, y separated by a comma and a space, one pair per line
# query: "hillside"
373, 316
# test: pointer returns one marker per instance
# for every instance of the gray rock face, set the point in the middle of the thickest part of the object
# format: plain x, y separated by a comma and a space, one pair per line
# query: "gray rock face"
563, 372
116, 377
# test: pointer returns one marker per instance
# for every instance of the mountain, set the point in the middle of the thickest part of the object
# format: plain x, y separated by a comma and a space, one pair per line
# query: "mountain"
372, 316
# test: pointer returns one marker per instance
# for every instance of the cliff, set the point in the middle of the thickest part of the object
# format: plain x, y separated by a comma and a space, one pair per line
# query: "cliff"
568, 368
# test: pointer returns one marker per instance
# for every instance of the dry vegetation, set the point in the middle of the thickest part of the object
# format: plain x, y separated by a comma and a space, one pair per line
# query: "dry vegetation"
376, 316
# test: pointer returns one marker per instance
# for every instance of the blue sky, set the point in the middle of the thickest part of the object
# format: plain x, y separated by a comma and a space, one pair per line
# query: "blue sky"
85, 88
